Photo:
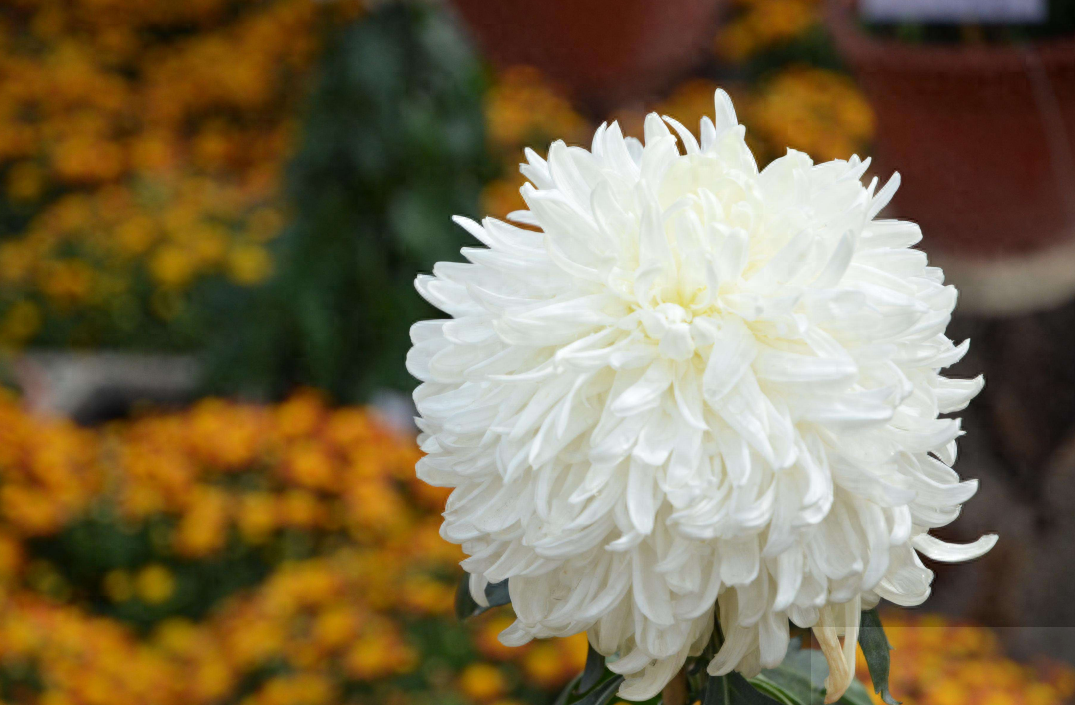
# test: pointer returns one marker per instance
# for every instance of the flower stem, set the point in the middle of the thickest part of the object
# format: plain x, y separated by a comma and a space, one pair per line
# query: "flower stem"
675, 693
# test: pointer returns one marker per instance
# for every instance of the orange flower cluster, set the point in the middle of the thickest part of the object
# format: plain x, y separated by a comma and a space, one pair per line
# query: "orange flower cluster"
938, 662
813, 110
523, 109
143, 139
78, 658
317, 616
545, 663
49, 473
226, 468
757, 25
324, 500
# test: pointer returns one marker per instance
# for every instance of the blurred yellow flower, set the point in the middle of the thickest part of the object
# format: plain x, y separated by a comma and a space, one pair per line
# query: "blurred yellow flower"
370, 658
307, 464
172, 266
523, 108
118, 586
300, 509
501, 197
297, 689
299, 415
187, 113
12, 557
16, 262
761, 24
544, 665
84, 159
482, 682
25, 181
19, 323
154, 584
257, 517
813, 110
66, 282
208, 243
426, 595
486, 637
212, 680
264, 224
203, 527
336, 626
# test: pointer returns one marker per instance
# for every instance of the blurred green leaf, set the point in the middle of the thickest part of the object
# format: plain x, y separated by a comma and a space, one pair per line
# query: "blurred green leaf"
603, 693
734, 689
393, 145
595, 668
856, 695
568, 691
875, 648
497, 594
465, 606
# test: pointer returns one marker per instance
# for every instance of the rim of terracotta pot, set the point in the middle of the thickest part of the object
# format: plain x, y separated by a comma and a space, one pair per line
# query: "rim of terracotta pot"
940, 58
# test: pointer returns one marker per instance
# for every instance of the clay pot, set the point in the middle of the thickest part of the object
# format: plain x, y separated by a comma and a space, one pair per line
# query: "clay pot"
983, 135
605, 52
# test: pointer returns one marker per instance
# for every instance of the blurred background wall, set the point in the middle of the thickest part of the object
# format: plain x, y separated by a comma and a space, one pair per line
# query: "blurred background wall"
211, 213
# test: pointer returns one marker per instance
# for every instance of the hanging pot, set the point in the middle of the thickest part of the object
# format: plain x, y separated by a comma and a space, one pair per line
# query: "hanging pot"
605, 52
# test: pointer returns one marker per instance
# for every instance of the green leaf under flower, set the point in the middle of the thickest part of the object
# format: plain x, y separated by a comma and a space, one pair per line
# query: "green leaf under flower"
595, 668
734, 689
497, 594
875, 648
465, 605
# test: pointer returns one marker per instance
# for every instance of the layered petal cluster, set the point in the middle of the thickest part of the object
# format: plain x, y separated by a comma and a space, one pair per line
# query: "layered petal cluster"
678, 385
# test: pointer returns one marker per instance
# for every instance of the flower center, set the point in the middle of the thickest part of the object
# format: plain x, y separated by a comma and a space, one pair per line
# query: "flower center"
669, 324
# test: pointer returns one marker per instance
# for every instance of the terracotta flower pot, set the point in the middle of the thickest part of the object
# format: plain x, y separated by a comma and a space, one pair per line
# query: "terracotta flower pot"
606, 52
984, 136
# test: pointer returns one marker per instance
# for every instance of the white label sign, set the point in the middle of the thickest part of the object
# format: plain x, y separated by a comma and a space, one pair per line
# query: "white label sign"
1028, 11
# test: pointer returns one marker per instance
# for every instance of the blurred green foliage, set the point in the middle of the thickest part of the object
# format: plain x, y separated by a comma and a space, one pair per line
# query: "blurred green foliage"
393, 146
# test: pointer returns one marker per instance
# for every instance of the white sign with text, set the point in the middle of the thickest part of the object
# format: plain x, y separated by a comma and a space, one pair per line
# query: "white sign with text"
1021, 11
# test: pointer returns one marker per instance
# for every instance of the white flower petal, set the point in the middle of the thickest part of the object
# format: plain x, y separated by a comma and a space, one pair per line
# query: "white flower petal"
953, 553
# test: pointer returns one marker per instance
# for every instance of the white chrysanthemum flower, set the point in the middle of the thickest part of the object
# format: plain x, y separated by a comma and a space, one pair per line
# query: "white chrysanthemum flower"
687, 385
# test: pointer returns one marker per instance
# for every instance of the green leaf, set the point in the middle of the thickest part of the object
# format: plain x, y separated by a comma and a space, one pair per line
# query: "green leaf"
497, 594
595, 668
800, 677
809, 663
773, 690
602, 693
590, 680
717, 691
734, 689
465, 606
393, 146
568, 690
856, 695
875, 648
745, 693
